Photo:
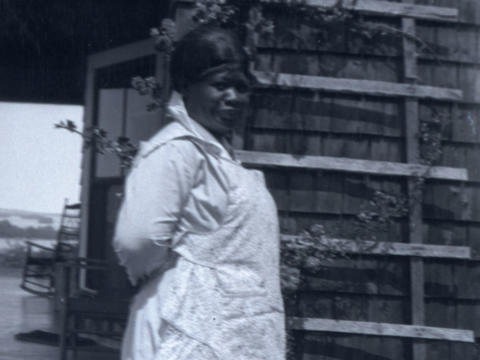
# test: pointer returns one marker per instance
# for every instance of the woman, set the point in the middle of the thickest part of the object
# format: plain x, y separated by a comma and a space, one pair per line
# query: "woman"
197, 230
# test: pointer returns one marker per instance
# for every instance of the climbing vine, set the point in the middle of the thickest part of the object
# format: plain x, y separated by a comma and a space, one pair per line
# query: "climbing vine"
431, 140
249, 18
328, 23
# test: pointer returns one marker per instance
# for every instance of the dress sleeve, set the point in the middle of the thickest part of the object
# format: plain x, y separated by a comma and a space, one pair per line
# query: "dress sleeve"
172, 171
155, 193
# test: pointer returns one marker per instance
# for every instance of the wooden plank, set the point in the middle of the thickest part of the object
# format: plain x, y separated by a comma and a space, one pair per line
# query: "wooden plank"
87, 159
447, 233
391, 248
469, 11
409, 51
442, 313
122, 53
355, 86
350, 165
385, 8
450, 43
341, 346
447, 202
363, 275
380, 329
417, 278
469, 80
329, 65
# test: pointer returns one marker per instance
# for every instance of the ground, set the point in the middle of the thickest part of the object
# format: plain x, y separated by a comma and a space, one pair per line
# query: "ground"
23, 312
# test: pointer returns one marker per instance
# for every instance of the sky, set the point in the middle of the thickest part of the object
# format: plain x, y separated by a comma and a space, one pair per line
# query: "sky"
39, 165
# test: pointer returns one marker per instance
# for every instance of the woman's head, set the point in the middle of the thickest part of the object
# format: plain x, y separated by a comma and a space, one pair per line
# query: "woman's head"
210, 69
202, 51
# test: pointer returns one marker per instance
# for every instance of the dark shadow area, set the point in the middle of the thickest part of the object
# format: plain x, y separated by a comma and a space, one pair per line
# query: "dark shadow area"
355, 279
336, 351
45, 44
303, 103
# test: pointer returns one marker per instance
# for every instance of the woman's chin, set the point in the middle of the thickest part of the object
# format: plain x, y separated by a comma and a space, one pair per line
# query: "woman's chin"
221, 126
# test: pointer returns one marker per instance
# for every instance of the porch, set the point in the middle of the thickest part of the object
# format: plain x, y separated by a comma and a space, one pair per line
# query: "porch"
22, 312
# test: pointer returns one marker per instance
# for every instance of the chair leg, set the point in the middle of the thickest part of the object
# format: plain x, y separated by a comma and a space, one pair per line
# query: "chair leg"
63, 304
74, 337
63, 336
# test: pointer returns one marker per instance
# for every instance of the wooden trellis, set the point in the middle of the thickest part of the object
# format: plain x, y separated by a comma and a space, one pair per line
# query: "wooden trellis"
410, 91
410, 95
384, 8
393, 248
267, 159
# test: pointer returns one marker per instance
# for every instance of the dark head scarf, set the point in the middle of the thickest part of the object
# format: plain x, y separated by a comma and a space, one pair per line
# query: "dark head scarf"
203, 51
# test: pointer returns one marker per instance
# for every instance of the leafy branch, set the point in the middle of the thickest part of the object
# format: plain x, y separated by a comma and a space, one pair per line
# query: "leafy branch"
97, 139
246, 17
430, 138
151, 87
378, 214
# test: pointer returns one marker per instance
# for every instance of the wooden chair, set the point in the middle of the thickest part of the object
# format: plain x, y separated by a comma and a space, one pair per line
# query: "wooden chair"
94, 301
39, 268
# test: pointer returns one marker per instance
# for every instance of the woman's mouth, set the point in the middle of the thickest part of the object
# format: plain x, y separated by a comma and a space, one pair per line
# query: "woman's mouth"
230, 113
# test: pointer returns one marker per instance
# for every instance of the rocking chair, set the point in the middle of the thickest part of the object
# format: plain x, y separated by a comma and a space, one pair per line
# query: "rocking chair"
39, 268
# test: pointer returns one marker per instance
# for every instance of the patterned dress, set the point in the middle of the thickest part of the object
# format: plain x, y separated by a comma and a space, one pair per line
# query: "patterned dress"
209, 252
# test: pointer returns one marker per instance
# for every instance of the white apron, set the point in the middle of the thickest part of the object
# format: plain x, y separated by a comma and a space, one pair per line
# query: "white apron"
219, 297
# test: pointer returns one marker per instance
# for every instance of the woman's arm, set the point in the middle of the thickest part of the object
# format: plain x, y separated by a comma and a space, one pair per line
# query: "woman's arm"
155, 194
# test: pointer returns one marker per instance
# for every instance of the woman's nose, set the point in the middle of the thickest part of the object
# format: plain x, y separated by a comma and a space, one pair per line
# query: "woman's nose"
231, 94
235, 97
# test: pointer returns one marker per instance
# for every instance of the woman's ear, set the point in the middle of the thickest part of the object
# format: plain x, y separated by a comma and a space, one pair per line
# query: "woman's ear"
187, 98
185, 94
188, 94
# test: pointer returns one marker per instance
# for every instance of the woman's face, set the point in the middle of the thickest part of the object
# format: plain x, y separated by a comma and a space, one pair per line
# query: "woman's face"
219, 101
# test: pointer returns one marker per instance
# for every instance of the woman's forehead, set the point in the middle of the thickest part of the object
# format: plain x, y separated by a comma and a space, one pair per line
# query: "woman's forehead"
228, 75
